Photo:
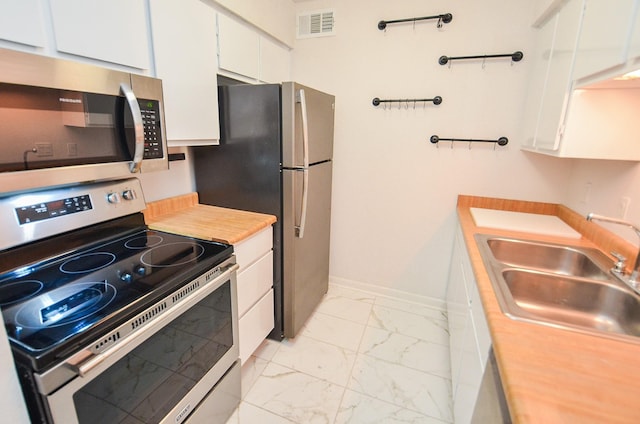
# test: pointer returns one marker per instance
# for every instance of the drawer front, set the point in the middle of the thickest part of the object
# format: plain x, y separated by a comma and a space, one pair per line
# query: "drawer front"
253, 248
254, 282
255, 325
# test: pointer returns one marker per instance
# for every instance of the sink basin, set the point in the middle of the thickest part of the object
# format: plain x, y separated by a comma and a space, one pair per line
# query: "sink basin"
562, 286
595, 305
550, 257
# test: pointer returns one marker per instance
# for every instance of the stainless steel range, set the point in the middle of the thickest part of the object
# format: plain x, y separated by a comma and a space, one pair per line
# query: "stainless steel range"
110, 321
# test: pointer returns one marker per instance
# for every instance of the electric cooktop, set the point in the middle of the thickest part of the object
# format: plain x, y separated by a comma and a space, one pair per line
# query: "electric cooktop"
47, 304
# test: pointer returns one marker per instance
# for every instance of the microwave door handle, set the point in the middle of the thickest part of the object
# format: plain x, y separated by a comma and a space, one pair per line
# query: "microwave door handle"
138, 127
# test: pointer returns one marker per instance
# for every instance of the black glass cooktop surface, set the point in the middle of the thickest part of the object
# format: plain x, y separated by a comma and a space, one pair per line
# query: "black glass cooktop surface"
47, 304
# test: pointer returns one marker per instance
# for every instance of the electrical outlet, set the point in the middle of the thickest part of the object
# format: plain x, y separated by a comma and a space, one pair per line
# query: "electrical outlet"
72, 149
44, 149
624, 207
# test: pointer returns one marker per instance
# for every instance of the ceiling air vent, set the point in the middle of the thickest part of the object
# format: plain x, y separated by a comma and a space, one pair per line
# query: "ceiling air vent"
319, 23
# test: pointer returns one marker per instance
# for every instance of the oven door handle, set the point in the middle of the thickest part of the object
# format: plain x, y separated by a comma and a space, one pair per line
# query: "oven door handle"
83, 362
138, 127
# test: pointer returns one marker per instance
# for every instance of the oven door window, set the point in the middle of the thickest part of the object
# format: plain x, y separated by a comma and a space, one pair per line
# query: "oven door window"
64, 128
146, 384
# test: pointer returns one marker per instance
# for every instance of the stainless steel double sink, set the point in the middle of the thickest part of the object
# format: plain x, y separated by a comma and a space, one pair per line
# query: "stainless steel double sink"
562, 286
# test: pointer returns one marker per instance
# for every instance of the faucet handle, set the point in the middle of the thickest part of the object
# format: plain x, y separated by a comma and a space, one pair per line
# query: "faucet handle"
621, 263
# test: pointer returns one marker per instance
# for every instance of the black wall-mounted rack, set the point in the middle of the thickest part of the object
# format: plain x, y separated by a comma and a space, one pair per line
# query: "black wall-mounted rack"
515, 57
444, 18
502, 141
436, 101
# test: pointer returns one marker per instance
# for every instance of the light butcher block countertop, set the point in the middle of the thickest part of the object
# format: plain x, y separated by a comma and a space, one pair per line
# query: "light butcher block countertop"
552, 375
184, 215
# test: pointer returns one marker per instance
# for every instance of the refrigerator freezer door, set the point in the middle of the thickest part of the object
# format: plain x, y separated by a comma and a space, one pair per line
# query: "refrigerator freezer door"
243, 172
318, 115
306, 259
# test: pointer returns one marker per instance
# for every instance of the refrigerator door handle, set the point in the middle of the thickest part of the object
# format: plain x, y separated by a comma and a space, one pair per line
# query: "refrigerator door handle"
305, 127
303, 209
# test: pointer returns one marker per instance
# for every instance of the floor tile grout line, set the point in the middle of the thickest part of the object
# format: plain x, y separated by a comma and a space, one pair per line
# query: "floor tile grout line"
377, 296
266, 410
344, 392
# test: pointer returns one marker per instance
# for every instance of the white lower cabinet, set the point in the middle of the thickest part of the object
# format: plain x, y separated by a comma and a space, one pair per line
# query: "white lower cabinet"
255, 290
469, 337
255, 325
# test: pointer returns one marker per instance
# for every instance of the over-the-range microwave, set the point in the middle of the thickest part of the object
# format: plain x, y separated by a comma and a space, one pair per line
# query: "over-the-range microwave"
65, 122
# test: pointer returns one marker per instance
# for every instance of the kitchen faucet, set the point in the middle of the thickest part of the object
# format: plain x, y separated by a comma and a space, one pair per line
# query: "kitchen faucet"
618, 270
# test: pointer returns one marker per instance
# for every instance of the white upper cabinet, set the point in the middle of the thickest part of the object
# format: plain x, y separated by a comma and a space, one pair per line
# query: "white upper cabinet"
558, 85
247, 54
22, 22
184, 46
634, 40
577, 112
603, 43
239, 48
275, 62
273, 17
540, 58
553, 63
113, 31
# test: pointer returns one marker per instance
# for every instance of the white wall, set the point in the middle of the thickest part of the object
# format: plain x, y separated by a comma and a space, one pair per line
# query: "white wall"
598, 186
173, 182
394, 193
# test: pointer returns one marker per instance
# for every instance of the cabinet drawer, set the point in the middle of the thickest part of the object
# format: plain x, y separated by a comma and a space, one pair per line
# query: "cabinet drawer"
250, 250
254, 282
255, 325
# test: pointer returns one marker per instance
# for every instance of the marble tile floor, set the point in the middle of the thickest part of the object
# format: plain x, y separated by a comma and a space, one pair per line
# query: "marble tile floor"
361, 358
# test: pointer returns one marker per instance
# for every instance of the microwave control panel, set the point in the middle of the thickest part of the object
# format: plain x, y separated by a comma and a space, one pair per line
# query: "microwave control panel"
150, 110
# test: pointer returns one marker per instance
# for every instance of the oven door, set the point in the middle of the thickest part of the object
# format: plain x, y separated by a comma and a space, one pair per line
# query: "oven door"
161, 373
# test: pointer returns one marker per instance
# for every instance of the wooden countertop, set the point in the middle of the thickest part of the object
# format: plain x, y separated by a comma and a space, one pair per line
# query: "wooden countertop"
552, 375
184, 215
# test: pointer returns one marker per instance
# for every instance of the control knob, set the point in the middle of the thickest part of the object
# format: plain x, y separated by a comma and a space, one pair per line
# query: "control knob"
129, 194
140, 270
113, 198
126, 277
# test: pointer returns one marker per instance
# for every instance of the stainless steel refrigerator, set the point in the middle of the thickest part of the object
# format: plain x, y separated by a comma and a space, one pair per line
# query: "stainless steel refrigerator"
275, 157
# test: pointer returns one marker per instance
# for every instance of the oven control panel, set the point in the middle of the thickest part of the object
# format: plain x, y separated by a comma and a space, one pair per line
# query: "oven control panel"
53, 209
32, 216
